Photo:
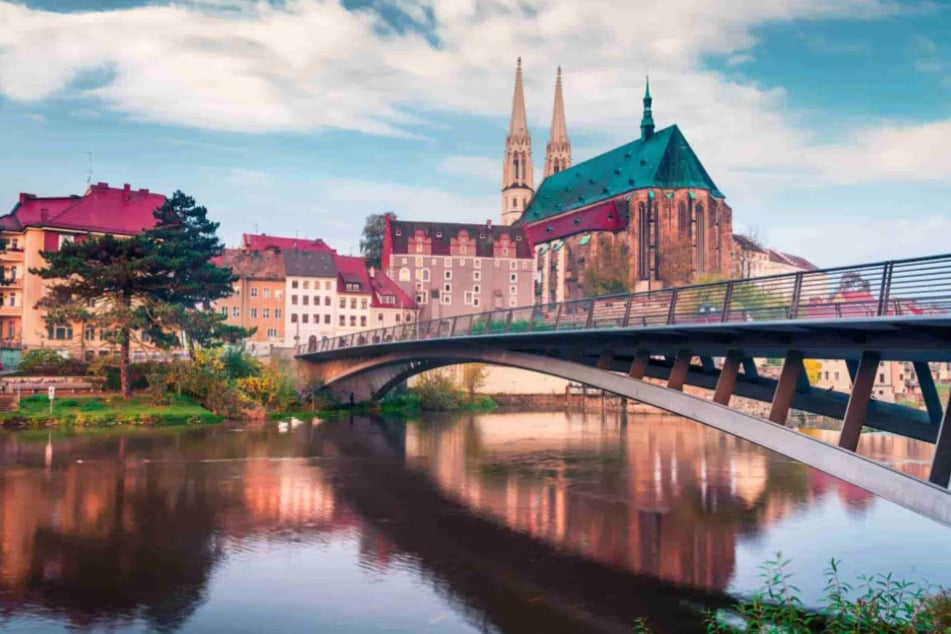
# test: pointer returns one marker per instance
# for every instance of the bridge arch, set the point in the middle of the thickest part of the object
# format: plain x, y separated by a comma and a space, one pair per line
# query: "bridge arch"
373, 376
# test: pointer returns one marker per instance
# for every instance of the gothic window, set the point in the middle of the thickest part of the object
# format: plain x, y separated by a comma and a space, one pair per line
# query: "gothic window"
514, 203
701, 239
404, 274
683, 220
643, 242
515, 168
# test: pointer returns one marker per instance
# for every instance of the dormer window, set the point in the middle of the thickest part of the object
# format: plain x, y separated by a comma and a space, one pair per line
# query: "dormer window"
439, 234
399, 232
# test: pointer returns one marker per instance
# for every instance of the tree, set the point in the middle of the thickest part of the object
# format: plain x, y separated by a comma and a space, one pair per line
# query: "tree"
148, 283
676, 263
371, 245
607, 270
473, 377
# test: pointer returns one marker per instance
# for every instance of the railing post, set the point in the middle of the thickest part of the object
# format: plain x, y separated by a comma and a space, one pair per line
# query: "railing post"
531, 318
727, 300
590, 320
627, 311
797, 292
885, 289
488, 322
508, 321
558, 315
452, 327
672, 310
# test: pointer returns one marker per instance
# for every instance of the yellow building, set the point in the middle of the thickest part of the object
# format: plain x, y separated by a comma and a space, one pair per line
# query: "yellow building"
38, 224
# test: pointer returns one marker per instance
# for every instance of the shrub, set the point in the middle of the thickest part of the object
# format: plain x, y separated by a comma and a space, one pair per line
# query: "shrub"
49, 362
437, 391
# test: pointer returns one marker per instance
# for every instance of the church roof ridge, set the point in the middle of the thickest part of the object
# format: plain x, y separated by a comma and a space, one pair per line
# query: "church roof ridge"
663, 160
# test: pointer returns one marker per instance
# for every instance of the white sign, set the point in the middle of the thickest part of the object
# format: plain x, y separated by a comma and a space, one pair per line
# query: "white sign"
52, 392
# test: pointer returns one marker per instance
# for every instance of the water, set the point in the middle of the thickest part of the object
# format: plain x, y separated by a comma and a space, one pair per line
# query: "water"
521, 522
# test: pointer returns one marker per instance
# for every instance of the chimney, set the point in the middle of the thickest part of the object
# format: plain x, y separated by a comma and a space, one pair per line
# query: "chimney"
372, 272
26, 197
488, 223
126, 192
102, 185
144, 191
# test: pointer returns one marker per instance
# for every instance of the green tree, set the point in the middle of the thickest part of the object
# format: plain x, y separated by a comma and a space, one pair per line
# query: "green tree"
473, 377
371, 245
608, 269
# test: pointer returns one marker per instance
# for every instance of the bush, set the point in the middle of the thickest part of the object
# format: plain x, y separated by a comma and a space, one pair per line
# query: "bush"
45, 361
437, 391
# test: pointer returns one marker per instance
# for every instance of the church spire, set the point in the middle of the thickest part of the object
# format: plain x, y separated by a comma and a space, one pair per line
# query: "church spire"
647, 120
518, 179
558, 152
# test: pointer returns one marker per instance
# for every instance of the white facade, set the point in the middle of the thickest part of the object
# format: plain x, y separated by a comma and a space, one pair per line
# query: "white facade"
311, 309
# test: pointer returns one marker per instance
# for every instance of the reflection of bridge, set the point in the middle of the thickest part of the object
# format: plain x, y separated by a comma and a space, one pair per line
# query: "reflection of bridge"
866, 314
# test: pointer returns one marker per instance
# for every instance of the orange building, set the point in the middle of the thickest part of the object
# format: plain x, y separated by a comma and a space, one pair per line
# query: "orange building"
258, 300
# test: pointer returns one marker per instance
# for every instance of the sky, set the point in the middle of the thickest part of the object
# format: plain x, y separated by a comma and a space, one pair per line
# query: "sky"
827, 123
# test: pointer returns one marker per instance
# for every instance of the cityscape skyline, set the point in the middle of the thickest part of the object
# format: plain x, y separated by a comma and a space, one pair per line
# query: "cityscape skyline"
804, 157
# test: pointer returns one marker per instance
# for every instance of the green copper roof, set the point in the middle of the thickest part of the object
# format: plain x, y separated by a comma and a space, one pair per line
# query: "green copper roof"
664, 160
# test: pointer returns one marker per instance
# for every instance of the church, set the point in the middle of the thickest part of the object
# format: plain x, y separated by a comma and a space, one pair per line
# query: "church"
643, 216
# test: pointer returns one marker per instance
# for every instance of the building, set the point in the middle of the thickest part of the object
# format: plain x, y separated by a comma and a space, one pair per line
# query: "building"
646, 215
258, 301
300, 292
38, 224
454, 269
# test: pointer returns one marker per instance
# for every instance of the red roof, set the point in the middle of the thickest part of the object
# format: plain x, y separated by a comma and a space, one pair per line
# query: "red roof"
352, 270
101, 209
259, 242
383, 285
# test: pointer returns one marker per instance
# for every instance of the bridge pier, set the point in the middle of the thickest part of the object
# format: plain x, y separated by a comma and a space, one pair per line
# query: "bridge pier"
859, 399
678, 373
941, 465
786, 388
726, 382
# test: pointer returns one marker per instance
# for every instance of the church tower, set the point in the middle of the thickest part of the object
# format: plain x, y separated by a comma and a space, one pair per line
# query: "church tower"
558, 152
518, 179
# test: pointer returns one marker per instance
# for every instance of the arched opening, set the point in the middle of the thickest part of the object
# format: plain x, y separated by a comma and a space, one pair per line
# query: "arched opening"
515, 168
701, 239
683, 220
643, 242
312, 343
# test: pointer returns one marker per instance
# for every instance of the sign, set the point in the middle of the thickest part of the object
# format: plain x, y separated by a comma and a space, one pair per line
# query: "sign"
52, 392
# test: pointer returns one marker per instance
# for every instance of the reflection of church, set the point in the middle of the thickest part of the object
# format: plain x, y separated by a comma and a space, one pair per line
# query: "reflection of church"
645, 215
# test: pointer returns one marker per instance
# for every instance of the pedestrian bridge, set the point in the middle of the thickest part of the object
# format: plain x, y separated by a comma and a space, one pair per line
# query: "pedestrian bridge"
648, 346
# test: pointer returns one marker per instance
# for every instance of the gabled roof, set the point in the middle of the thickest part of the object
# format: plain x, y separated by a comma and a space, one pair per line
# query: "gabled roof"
383, 285
255, 265
791, 260
102, 209
746, 244
352, 270
663, 160
259, 242
441, 235
301, 263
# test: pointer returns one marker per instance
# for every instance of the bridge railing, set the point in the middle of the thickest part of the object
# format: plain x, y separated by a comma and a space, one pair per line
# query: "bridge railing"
919, 286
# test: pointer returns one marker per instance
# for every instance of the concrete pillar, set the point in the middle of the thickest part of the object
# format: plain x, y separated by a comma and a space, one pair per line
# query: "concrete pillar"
788, 379
727, 381
639, 364
605, 360
858, 400
941, 465
678, 373
928, 391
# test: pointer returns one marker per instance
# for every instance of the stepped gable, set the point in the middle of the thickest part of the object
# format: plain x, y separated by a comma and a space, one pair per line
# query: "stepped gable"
663, 160
442, 234
102, 209
305, 263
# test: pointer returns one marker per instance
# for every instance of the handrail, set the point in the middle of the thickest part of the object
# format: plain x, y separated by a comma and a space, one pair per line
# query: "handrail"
882, 289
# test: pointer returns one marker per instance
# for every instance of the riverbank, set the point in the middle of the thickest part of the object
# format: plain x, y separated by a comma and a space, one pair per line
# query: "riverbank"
34, 412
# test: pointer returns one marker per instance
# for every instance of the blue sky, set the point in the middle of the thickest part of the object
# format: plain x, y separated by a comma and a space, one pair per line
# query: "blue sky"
826, 123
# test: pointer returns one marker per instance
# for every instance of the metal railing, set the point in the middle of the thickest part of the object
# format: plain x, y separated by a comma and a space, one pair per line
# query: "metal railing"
920, 286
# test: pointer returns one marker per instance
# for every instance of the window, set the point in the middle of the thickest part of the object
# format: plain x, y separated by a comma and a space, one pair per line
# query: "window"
13, 273
353, 320
316, 300
305, 318
477, 263
513, 290
513, 302
343, 321
397, 320
254, 291
477, 276
447, 287
327, 285
424, 275
343, 302
235, 312
402, 260
294, 300
89, 333
467, 298
326, 319
433, 262
353, 303
277, 313
363, 303
279, 294
404, 274
267, 293
353, 286
447, 262
477, 289
446, 299
475, 301
326, 300
306, 283
266, 313
224, 311
418, 262
447, 274
881, 378
293, 318
513, 278
316, 318
305, 299
65, 238
363, 320
254, 313
498, 264
13, 299
379, 317
271, 333
60, 332
525, 265
513, 265
293, 283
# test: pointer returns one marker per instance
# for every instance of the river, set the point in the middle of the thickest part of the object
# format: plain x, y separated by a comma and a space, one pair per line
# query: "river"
509, 522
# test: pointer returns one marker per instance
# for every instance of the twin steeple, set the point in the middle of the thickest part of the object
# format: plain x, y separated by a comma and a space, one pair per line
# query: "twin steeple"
518, 178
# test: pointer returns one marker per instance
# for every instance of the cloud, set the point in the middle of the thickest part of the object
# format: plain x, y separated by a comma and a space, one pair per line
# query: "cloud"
475, 167
36, 117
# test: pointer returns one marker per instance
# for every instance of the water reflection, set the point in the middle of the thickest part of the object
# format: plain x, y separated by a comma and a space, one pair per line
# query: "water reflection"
514, 522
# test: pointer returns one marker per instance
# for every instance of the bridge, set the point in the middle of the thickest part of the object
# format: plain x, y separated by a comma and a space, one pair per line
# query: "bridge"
649, 346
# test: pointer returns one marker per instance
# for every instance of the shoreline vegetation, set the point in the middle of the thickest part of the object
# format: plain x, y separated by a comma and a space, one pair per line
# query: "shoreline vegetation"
216, 385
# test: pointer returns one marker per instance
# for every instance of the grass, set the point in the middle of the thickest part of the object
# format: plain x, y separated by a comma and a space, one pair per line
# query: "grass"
34, 412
